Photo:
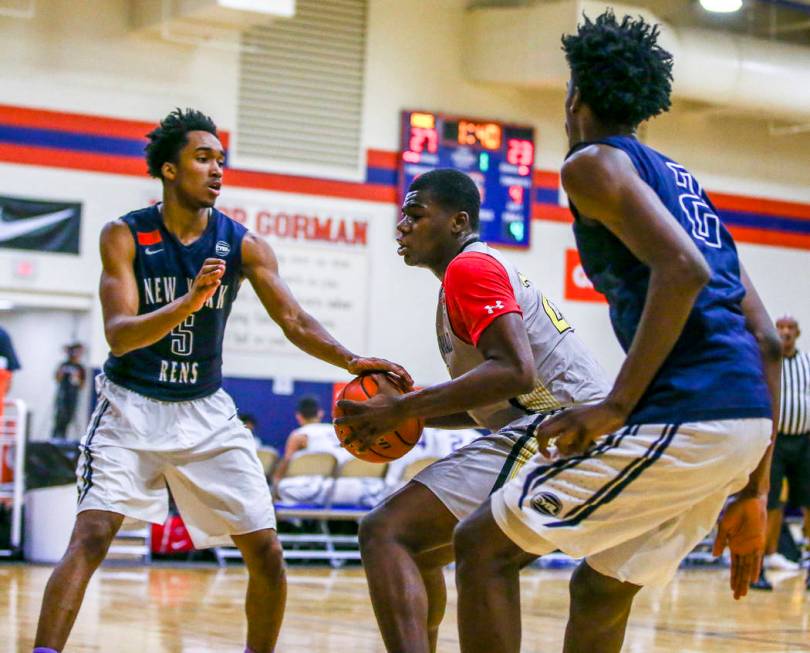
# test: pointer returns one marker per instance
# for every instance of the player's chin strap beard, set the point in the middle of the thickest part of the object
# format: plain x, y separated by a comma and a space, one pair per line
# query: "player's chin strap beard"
469, 240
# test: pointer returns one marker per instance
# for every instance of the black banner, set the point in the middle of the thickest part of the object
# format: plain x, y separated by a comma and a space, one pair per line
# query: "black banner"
40, 225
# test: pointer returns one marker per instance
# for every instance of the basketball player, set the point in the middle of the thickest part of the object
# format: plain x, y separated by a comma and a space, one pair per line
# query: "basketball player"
170, 274
689, 415
513, 359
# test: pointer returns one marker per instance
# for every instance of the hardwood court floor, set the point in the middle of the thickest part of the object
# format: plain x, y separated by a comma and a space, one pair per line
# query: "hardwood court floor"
198, 610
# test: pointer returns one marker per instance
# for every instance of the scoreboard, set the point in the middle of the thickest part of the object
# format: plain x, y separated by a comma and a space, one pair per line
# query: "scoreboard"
498, 157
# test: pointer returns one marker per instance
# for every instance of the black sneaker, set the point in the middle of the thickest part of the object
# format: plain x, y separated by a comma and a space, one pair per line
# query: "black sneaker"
762, 583
807, 582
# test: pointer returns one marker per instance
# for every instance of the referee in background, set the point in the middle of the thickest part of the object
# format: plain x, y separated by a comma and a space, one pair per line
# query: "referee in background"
791, 453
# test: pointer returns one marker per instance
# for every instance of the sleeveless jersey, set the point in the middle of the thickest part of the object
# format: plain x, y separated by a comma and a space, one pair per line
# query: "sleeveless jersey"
714, 370
187, 363
321, 438
567, 374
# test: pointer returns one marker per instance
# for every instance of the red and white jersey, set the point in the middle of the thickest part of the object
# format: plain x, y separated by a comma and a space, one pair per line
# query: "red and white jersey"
479, 286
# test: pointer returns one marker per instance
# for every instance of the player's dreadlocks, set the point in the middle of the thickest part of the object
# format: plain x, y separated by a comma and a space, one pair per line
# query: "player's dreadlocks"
621, 72
171, 136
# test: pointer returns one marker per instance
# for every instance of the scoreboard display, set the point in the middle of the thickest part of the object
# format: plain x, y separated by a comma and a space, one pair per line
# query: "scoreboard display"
498, 157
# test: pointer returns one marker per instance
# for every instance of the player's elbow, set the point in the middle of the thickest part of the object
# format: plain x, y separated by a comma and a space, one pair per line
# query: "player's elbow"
523, 378
688, 273
117, 346
769, 343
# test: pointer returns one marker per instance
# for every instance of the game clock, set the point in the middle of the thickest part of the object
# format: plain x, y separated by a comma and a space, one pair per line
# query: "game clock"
497, 156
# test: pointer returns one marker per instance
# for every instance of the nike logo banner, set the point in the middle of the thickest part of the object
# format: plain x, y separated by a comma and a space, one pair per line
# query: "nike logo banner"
40, 225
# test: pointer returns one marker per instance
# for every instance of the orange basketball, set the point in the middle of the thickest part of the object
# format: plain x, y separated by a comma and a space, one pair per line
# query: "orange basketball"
387, 446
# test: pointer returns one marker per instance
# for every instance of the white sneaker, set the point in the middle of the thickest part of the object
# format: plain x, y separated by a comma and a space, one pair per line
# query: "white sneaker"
778, 561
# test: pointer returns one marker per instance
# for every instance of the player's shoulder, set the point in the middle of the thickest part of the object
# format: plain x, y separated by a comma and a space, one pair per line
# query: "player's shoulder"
237, 227
589, 168
473, 263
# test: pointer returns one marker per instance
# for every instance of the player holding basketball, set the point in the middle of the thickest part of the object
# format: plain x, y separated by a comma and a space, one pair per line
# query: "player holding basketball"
170, 274
689, 415
513, 359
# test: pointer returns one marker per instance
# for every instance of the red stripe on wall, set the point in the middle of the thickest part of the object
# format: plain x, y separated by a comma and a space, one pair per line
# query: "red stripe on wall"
309, 186
768, 237
54, 158
78, 123
382, 159
551, 213
761, 205
547, 179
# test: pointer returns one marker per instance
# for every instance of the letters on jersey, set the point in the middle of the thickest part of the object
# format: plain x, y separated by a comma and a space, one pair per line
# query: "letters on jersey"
187, 363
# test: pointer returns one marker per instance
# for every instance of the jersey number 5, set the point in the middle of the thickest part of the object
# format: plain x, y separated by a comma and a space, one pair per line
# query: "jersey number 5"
182, 337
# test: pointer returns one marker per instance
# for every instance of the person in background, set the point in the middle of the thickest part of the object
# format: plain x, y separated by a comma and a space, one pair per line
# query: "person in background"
249, 420
312, 435
791, 452
70, 378
9, 363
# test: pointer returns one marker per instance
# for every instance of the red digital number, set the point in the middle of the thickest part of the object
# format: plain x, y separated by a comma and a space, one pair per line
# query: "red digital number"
516, 194
520, 152
423, 139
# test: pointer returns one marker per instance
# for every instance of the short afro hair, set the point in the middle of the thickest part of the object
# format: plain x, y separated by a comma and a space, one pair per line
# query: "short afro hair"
621, 72
452, 190
167, 139
308, 407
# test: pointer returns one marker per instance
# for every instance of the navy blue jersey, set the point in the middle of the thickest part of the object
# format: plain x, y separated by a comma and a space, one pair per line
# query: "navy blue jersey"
187, 363
715, 370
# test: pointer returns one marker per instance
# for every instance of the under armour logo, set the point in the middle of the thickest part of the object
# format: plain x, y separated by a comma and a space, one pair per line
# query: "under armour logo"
491, 309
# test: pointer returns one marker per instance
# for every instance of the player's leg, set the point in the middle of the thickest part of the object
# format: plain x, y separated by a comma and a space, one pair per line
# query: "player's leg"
488, 566
600, 606
92, 534
398, 540
267, 588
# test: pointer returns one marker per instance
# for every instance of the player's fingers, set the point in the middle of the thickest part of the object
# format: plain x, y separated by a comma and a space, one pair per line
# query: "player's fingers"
719, 540
743, 577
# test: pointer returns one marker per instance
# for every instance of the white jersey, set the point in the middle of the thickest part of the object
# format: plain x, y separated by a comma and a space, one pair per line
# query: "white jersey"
321, 438
567, 373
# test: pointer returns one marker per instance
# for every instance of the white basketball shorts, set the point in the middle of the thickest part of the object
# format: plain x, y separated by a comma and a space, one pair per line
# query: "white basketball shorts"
135, 447
637, 501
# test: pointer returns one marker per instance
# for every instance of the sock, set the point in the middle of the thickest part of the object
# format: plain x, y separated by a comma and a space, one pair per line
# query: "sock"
247, 650
44, 649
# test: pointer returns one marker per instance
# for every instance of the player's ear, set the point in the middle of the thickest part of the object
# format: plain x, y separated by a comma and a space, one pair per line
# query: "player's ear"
460, 222
574, 100
168, 170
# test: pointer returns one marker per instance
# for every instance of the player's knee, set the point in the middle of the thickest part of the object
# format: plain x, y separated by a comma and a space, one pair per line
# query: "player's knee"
267, 559
589, 587
90, 543
468, 544
375, 528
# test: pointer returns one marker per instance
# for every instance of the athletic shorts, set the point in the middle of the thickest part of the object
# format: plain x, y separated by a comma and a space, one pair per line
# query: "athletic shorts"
463, 480
638, 501
135, 447
791, 461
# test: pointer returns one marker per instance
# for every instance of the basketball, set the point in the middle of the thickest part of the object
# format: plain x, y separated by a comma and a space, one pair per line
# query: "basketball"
387, 446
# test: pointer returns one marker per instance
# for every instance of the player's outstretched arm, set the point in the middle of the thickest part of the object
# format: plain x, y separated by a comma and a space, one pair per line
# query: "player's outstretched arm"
605, 187
304, 331
742, 527
507, 371
118, 290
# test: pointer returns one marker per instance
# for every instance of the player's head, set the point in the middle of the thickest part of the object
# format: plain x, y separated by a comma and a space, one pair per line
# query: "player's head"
184, 152
439, 213
618, 71
788, 328
249, 421
308, 410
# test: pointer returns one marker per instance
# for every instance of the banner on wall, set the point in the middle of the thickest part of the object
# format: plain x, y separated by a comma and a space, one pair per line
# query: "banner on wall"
577, 285
322, 256
40, 225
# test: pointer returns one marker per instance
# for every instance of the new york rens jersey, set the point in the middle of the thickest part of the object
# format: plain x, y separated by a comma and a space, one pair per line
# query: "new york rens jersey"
479, 286
187, 363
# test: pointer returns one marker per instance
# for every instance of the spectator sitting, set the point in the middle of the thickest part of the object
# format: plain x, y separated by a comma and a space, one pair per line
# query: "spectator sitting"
313, 435
250, 424
8, 364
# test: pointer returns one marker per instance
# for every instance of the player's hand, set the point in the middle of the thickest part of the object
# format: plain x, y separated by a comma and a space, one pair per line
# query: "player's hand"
398, 374
205, 283
573, 430
742, 527
367, 419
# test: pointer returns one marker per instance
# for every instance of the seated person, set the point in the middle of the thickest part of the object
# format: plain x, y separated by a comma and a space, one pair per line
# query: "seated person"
313, 435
